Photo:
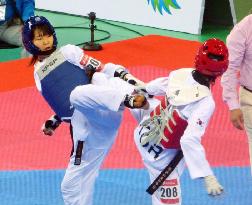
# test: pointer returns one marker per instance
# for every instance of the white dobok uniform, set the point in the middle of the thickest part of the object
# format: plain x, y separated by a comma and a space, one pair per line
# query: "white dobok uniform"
195, 103
97, 115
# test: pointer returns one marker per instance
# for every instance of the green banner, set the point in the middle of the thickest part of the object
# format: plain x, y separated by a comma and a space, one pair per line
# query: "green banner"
242, 8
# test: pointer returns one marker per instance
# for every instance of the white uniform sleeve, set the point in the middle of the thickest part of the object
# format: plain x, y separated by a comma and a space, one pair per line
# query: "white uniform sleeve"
194, 152
157, 86
73, 54
36, 78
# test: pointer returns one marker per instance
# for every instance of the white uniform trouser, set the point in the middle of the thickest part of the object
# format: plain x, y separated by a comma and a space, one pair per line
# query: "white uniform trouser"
246, 107
95, 121
155, 159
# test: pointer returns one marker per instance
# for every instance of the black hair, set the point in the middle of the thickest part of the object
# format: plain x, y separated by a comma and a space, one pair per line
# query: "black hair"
203, 79
44, 28
33, 60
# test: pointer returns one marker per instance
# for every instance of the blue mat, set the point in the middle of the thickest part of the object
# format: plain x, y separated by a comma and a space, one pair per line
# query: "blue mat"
121, 187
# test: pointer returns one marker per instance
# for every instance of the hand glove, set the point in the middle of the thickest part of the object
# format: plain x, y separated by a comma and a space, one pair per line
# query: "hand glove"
50, 125
213, 187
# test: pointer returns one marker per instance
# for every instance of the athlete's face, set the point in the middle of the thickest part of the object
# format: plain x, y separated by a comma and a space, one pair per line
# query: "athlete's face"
43, 41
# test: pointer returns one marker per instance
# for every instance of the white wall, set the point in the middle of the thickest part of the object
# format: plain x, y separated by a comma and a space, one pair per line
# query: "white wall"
187, 19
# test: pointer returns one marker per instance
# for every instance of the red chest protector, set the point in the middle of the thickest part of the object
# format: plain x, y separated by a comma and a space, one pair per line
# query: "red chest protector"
166, 124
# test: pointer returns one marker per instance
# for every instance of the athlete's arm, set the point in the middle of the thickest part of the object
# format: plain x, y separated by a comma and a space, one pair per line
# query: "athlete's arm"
157, 87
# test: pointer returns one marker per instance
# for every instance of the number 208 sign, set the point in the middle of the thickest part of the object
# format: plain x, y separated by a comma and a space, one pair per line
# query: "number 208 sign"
170, 192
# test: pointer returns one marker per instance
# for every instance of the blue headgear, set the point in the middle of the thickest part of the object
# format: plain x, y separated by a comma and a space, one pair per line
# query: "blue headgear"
27, 34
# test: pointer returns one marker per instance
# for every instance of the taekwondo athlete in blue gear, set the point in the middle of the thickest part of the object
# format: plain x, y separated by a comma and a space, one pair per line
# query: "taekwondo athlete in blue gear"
56, 73
63, 74
98, 107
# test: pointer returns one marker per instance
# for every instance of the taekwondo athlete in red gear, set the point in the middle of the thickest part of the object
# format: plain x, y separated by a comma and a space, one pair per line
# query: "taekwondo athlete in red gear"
179, 122
94, 110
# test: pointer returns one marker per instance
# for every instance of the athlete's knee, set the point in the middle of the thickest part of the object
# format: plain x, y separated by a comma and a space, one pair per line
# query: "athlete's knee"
79, 93
74, 95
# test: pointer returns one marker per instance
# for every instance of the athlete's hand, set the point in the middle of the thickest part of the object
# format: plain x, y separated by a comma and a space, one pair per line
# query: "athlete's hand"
50, 125
213, 187
236, 118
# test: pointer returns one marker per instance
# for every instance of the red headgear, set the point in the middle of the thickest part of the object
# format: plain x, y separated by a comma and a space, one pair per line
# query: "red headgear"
212, 58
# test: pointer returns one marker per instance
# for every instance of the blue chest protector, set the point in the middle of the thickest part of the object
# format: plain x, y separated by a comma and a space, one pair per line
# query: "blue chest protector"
58, 78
